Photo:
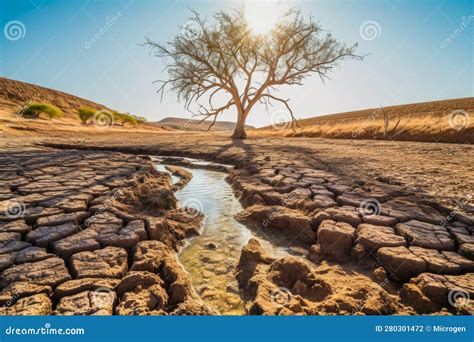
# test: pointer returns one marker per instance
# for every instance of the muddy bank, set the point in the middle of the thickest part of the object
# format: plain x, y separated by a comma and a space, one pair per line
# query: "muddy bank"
378, 235
92, 233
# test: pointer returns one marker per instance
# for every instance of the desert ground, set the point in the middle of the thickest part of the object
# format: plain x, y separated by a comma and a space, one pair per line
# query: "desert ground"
90, 225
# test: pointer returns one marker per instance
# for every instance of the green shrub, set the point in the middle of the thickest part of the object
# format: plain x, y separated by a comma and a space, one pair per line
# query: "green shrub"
86, 114
34, 109
125, 118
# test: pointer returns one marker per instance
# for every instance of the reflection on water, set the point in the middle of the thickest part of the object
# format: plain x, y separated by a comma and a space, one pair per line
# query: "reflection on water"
211, 257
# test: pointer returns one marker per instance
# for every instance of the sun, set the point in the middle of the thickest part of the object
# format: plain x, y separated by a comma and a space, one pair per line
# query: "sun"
262, 15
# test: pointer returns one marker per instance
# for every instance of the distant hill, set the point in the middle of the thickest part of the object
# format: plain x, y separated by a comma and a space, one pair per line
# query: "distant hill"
435, 121
18, 92
194, 125
15, 94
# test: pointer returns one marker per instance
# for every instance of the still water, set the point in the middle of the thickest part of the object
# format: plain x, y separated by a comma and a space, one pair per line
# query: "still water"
211, 257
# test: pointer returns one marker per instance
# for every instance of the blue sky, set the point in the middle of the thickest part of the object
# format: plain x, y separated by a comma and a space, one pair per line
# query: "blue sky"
412, 58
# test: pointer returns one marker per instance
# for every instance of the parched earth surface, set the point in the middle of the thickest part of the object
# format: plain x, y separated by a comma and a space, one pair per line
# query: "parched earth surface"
89, 226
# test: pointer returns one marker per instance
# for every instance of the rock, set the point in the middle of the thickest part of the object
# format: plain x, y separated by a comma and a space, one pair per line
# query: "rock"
374, 237
380, 274
154, 256
174, 228
10, 236
87, 303
427, 260
12, 246
180, 289
37, 305
340, 214
125, 237
148, 256
141, 293
407, 208
428, 293
320, 202
467, 250
6, 260
400, 263
31, 254
285, 272
251, 255
435, 261
151, 191
18, 226
184, 176
75, 286
380, 220
320, 190
10, 294
425, 235
335, 239
76, 217
110, 262
28, 254
358, 252
34, 213
43, 236
210, 245
50, 272
85, 240
289, 222
289, 286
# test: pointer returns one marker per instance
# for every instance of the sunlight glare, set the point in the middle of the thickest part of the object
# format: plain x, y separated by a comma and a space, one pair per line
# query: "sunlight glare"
263, 15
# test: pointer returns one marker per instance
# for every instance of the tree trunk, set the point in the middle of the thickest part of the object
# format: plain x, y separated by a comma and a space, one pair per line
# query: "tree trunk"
239, 131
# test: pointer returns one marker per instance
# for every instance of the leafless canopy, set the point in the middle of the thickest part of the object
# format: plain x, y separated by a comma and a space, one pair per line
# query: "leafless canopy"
219, 64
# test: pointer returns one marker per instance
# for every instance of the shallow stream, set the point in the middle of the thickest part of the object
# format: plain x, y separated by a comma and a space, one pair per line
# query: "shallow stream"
211, 257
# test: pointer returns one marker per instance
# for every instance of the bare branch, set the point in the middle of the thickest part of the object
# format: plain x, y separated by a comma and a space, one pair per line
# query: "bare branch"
223, 61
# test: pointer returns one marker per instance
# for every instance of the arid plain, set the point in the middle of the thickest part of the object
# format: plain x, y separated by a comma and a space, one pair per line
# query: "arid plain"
362, 225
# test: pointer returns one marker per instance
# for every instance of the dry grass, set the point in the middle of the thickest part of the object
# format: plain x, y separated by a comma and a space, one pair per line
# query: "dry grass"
428, 121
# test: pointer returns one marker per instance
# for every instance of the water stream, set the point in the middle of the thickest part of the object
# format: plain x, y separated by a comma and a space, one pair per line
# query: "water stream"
211, 257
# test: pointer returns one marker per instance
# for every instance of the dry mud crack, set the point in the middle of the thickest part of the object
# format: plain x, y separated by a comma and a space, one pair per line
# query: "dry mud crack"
85, 231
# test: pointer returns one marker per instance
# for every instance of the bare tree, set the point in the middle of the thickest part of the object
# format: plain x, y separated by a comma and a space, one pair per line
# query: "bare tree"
224, 63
